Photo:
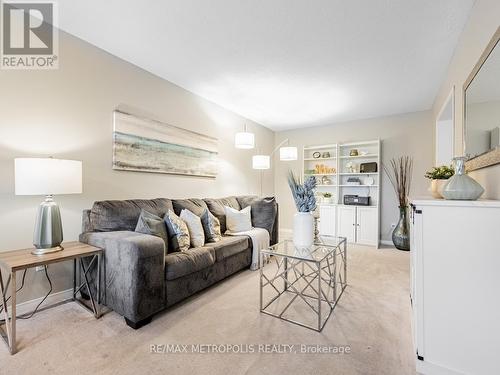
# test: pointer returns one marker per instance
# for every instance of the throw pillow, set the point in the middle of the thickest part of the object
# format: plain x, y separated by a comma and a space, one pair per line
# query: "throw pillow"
178, 232
264, 212
238, 221
149, 223
195, 228
211, 226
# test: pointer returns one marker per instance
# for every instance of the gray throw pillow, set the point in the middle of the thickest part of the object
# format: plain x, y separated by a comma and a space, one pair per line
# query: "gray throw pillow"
211, 226
264, 211
178, 232
149, 223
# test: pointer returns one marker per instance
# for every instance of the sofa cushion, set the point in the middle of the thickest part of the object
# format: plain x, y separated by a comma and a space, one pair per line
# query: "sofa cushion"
195, 205
264, 211
115, 215
229, 245
216, 207
185, 263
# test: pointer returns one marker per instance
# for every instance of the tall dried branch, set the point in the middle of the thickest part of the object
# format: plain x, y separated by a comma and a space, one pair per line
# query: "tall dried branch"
400, 171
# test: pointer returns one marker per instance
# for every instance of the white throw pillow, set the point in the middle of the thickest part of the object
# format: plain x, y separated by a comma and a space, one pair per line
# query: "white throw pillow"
193, 222
238, 221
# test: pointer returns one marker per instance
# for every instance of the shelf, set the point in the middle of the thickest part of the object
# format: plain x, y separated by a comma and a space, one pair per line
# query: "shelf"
319, 159
320, 174
358, 174
355, 186
356, 205
324, 147
326, 185
367, 143
360, 156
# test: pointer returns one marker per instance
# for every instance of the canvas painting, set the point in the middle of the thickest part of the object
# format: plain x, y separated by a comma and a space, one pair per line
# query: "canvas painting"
151, 146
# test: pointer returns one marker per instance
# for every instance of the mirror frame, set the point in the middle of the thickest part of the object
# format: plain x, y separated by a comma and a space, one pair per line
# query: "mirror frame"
491, 157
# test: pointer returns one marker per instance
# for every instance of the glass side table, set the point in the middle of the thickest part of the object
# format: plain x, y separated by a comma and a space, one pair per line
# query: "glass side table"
303, 285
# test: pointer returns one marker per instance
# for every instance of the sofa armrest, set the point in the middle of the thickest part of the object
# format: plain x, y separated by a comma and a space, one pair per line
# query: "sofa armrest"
86, 222
134, 272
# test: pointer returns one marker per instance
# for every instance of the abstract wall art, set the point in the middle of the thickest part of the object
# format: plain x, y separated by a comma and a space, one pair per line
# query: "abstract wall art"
145, 145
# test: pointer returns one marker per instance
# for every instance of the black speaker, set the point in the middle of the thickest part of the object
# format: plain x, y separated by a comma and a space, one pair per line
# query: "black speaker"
368, 167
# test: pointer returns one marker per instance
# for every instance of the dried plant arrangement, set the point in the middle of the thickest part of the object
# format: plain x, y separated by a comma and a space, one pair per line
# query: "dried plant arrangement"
303, 193
400, 172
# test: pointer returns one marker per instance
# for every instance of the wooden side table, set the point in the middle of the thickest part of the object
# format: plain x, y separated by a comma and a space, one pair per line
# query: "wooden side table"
19, 260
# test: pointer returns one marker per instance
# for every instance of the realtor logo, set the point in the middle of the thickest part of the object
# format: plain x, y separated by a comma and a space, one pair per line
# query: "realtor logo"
29, 35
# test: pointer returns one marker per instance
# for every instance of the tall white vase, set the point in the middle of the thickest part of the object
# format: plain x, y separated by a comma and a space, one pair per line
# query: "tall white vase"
303, 229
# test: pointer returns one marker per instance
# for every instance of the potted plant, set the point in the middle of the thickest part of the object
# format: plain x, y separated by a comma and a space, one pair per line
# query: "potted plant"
439, 177
305, 201
400, 173
327, 198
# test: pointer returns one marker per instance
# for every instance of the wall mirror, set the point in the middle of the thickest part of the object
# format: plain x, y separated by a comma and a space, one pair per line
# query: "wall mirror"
482, 109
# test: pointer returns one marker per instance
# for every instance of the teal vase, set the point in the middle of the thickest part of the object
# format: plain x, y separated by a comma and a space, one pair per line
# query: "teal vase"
460, 186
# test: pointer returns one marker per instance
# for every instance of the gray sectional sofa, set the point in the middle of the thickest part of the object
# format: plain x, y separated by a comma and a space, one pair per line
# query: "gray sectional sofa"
142, 277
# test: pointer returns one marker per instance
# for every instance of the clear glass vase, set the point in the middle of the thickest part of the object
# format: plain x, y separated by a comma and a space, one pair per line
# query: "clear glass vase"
401, 234
460, 186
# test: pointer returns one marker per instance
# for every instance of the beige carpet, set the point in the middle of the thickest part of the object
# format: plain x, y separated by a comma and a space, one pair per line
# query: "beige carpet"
372, 318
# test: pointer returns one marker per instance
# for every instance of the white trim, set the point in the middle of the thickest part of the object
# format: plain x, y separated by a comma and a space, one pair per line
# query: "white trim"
427, 368
57, 297
386, 242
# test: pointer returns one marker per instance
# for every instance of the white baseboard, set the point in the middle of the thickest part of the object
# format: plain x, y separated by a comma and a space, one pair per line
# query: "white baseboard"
287, 233
427, 368
28, 306
386, 242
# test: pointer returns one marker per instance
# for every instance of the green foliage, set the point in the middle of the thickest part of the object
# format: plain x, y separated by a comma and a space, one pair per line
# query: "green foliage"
443, 172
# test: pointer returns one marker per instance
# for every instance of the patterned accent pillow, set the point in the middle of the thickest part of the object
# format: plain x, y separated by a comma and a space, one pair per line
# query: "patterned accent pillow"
211, 226
195, 228
178, 232
149, 223
238, 221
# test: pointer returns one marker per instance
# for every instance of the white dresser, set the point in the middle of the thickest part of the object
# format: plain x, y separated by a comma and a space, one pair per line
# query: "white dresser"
455, 286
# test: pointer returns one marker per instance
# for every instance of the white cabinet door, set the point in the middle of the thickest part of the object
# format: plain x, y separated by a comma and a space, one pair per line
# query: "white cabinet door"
367, 225
417, 280
328, 222
347, 223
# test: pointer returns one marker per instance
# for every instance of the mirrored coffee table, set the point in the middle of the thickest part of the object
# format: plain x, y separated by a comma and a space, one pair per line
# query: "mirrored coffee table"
302, 285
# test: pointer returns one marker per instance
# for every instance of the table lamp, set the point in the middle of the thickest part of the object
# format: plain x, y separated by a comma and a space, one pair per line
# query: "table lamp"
49, 177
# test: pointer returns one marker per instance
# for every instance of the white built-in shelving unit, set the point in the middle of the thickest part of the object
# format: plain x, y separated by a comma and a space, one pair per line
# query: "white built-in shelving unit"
333, 165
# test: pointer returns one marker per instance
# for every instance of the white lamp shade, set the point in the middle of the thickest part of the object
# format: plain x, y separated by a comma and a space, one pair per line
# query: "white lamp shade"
261, 162
244, 140
288, 153
47, 176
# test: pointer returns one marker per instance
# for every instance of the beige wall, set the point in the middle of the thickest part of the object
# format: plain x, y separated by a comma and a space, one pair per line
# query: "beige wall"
67, 113
482, 24
409, 134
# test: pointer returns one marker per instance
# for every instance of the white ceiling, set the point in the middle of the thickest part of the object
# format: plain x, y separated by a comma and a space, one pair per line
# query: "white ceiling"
284, 63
